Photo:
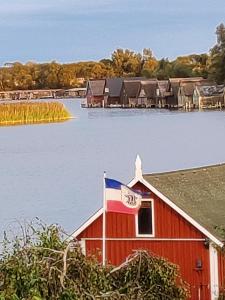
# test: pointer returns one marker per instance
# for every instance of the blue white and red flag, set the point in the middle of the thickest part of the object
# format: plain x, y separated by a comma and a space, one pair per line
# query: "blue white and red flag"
120, 198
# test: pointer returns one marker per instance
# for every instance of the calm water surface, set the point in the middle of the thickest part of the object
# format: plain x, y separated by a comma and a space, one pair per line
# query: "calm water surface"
55, 171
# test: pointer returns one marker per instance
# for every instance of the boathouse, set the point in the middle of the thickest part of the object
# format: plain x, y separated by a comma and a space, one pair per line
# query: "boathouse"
162, 92
182, 218
147, 96
129, 93
113, 88
208, 96
95, 93
173, 89
185, 94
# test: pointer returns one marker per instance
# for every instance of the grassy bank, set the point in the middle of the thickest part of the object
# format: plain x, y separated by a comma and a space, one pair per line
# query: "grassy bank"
32, 112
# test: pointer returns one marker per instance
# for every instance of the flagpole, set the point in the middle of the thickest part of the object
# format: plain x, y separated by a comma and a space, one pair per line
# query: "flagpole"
104, 224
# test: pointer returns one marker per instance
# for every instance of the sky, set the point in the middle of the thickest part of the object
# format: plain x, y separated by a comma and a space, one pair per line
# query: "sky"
79, 30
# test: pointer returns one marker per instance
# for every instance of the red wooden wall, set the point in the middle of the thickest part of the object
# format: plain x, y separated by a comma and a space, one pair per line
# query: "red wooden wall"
221, 259
168, 225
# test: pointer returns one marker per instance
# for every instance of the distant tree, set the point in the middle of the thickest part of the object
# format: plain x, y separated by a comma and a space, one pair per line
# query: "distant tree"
147, 54
126, 62
217, 56
149, 63
192, 65
49, 75
66, 77
106, 62
164, 69
181, 70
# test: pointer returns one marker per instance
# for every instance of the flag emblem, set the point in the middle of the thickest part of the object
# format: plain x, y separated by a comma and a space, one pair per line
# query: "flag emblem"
120, 198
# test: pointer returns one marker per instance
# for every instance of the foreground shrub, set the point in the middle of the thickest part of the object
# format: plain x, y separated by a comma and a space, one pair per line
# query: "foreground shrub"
43, 266
32, 112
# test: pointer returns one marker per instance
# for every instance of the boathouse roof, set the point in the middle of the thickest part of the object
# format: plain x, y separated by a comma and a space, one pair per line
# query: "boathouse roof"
163, 86
132, 87
199, 192
114, 85
210, 90
149, 87
97, 86
188, 88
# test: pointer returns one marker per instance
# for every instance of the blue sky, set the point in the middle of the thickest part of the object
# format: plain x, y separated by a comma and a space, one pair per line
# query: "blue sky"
74, 30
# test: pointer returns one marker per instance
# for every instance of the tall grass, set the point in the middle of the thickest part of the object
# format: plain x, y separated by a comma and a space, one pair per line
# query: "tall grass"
32, 112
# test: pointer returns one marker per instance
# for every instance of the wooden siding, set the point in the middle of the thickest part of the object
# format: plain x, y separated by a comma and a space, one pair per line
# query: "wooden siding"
94, 101
183, 253
221, 265
180, 242
168, 223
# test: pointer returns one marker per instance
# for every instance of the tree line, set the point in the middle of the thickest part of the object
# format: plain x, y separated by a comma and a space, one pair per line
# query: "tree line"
123, 62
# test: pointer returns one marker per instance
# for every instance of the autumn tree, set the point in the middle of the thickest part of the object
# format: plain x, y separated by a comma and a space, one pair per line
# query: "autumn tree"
149, 63
191, 65
48, 75
67, 76
126, 63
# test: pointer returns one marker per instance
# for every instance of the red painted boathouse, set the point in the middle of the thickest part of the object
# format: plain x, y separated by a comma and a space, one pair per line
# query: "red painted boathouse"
181, 218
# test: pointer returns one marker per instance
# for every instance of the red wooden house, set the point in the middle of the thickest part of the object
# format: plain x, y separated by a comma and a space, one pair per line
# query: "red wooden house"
95, 93
180, 218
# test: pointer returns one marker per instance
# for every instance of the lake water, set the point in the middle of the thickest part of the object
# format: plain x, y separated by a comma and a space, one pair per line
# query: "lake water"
55, 171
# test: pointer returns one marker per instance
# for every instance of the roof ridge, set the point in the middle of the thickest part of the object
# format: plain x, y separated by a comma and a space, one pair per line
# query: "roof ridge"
186, 170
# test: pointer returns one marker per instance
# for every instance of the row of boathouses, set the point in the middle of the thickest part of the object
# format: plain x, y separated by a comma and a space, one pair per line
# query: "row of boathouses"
42, 94
194, 92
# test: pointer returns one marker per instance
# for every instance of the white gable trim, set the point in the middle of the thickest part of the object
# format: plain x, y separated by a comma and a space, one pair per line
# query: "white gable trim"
86, 224
177, 209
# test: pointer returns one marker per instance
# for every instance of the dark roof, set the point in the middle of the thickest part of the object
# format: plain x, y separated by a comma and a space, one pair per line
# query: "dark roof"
210, 90
132, 87
199, 192
97, 86
163, 86
188, 88
149, 87
175, 83
114, 85
206, 82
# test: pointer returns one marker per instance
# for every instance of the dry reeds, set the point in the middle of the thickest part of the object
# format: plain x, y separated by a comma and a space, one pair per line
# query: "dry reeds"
32, 112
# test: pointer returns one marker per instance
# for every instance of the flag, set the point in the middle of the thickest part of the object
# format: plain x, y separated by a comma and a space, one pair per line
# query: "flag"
120, 198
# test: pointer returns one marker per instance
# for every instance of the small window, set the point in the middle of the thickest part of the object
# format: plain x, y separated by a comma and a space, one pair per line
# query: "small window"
145, 218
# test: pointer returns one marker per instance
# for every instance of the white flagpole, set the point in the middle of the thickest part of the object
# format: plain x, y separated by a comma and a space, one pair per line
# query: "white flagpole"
104, 224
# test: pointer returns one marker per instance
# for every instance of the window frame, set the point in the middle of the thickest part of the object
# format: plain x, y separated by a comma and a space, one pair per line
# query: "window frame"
153, 220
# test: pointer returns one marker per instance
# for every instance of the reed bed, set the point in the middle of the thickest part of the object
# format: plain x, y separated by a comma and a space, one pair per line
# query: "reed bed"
32, 112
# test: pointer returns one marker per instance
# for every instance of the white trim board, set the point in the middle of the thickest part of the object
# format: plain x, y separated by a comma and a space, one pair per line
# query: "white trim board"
146, 239
153, 220
214, 272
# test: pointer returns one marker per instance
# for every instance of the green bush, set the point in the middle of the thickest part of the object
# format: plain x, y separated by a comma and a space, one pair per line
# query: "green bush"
42, 265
